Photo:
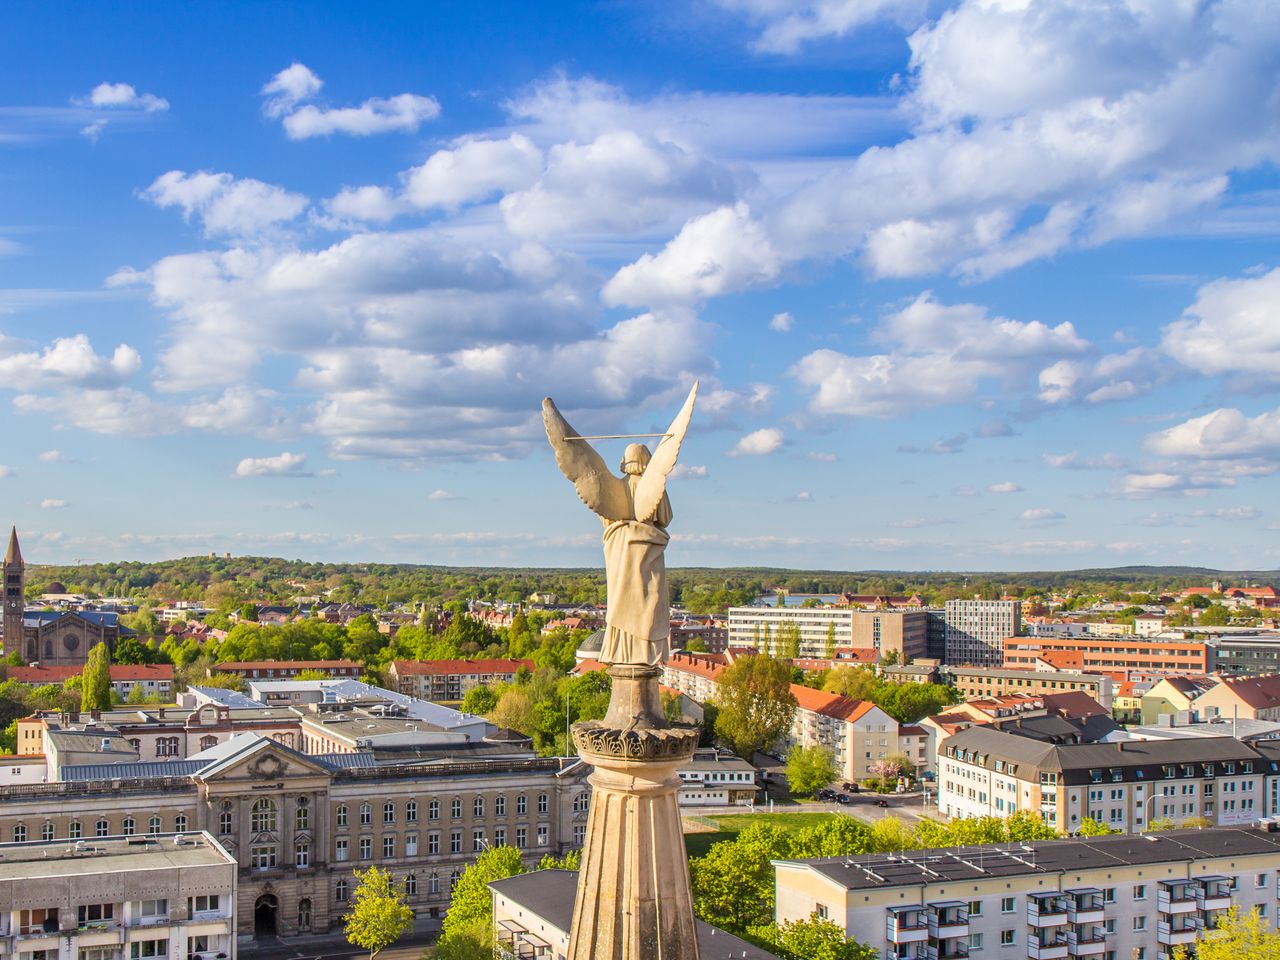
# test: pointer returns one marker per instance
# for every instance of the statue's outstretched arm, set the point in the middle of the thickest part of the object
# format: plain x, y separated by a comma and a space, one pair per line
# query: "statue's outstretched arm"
653, 485
599, 489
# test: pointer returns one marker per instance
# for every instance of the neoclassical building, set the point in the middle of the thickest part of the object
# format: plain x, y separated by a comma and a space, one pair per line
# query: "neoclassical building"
300, 826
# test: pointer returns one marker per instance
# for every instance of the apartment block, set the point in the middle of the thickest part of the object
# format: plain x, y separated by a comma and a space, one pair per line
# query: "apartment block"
449, 680
716, 778
118, 898
1113, 654
1112, 898
286, 669
903, 632
997, 771
977, 630
974, 682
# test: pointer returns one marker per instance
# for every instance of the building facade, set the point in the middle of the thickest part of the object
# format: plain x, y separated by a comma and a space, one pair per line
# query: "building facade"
1114, 654
974, 682
1110, 898
117, 898
449, 680
299, 826
1125, 784
977, 630
824, 629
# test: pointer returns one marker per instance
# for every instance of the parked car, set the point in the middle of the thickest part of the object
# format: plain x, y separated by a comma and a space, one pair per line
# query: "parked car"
882, 802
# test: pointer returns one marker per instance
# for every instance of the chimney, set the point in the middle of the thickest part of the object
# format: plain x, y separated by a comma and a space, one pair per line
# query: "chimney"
95, 714
75, 714
162, 713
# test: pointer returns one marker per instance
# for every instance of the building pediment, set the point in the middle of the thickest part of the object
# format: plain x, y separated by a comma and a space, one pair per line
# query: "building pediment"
259, 760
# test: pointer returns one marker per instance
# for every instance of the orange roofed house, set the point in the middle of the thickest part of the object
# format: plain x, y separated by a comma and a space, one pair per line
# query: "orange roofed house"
450, 679
858, 733
1243, 698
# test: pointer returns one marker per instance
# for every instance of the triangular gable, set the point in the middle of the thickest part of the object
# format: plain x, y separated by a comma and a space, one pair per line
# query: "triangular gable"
261, 758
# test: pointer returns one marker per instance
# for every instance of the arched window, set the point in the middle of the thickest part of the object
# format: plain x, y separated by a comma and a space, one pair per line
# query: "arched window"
454, 877
433, 810
180, 823
19, 832
302, 815
500, 806
433, 883
103, 828
388, 812
304, 914
411, 885
209, 742
411, 811
302, 854
263, 818
74, 830
341, 815
477, 807
340, 891
46, 831
153, 825
130, 825
366, 814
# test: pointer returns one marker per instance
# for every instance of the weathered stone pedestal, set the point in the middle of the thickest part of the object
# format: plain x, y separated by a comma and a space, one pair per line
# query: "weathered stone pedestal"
633, 900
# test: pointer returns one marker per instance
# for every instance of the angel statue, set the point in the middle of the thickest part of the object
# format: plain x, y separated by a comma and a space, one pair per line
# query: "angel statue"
635, 512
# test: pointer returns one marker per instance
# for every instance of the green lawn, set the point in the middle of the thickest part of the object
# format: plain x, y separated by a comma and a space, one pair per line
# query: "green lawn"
730, 825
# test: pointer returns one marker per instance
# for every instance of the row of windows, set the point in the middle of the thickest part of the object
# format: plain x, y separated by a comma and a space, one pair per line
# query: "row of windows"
102, 828
479, 843
478, 805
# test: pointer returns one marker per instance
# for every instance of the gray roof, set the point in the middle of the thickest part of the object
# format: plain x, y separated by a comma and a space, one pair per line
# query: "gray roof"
593, 644
132, 771
951, 864
1140, 759
550, 893
1055, 729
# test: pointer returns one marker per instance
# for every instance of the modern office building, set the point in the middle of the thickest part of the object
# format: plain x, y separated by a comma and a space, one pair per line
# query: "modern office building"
1115, 655
163, 897
903, 632
1111, 898
977, 630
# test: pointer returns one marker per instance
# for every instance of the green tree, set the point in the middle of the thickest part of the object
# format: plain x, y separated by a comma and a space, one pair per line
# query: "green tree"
95, 680
1239, 936
816, 939
471, 908
789, 641
480, 700
830, 649
378, 914
733, 884
810, 769
1089, 827
755, 702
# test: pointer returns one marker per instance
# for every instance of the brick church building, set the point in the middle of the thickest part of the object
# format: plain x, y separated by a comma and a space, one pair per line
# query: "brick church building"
49, 637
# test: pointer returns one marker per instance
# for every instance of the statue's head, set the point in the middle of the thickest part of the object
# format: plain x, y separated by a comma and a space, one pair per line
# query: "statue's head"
635, 458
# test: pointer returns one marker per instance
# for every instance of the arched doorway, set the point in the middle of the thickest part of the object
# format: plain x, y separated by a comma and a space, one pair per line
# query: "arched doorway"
264, 915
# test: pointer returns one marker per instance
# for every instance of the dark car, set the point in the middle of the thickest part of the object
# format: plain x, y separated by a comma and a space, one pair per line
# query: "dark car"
843, 798
850, 787
882, 802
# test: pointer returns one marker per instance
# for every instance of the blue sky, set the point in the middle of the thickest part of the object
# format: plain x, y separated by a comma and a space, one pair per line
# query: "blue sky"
966, 285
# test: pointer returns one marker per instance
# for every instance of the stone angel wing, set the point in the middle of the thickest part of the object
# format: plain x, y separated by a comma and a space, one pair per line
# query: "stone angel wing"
599, 489
653, 483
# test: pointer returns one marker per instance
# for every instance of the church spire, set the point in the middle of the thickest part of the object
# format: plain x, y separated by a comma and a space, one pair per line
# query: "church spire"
13, 554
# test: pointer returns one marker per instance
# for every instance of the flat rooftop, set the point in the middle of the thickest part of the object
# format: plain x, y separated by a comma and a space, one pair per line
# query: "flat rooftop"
59, 858
951, 864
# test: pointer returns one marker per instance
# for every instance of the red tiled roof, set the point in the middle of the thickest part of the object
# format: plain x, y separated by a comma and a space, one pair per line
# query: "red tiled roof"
1257, 692
703, 664
829, 704
440, 668
1073, 704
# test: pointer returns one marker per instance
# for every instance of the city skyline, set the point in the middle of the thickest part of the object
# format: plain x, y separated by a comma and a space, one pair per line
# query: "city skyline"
965, 287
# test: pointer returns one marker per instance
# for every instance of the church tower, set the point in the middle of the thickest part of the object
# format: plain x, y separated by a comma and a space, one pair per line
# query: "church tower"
15, 583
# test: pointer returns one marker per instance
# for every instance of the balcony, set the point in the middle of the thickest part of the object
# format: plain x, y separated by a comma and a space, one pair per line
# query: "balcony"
1177, 897
1214, 893
1046, 910
1084, 905
1171, 934
913, 951
948, 950
1086, 942
906, 925
1048, 948
949, 918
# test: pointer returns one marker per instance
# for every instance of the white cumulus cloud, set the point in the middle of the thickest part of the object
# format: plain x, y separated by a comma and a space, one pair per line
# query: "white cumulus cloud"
1008, 486
123, 96
283, 465
225, 205
52, 503
782, 322
758, 443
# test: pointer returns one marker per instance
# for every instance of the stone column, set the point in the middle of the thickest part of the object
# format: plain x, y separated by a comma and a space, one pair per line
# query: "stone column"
633, 900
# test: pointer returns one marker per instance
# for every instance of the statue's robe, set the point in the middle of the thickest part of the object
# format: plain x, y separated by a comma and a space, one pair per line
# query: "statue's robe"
638, 620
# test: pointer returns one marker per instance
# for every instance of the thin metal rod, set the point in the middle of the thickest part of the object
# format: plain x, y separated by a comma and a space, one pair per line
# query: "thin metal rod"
622, 436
